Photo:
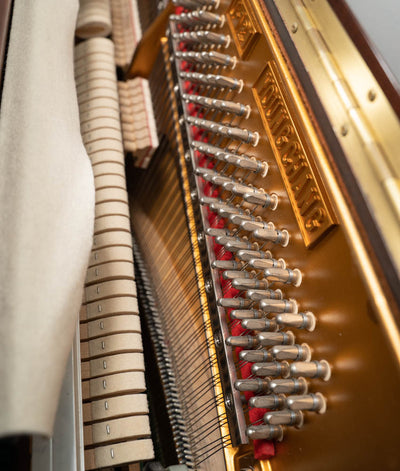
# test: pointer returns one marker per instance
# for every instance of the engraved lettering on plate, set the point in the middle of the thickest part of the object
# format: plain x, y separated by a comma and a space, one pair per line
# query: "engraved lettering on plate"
310, 203
243, 27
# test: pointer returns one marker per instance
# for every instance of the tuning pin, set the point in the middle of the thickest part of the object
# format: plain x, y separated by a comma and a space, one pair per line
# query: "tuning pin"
241, 161
279, 305
208, 37
220, 180
312, 402
259, 294
252, 224
272, 401
265, 432
224, 239
247, 163
198, 17
207, 200
205, 172
209, 18
203, 37
242, 189
242, 314
289, 386
269, 339
211, 80
225, 265
235, 274
260, 324
240, 217
292, 352
245, 341
212, 58
284, 417
234, 246
263, 263
256, 385
226, 131
253, 356
220, 105
284, 275
247, 255
189, 4
253, 283
206, 3
275, 236
248, 222
225, 210
311, 369
235, 303
216, 232
263, 199
218, 58
272, 368
214, 203
302, 320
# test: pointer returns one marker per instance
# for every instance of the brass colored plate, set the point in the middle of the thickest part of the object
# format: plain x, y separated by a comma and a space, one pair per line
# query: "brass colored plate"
310, 204
243, 26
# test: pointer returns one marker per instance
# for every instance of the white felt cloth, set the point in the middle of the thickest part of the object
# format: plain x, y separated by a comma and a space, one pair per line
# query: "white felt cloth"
46, 214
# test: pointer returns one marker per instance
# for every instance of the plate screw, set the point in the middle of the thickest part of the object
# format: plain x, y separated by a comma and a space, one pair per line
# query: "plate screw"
208, 286
344, 130
294, 28
228, 402
217, 339
371, 95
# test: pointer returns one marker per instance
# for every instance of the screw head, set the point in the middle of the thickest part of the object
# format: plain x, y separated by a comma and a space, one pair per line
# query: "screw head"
344, 130
371, 95
229, 402
294, 28
208, 286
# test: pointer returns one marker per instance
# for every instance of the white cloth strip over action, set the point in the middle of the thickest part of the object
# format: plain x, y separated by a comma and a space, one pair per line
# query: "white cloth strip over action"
46, 214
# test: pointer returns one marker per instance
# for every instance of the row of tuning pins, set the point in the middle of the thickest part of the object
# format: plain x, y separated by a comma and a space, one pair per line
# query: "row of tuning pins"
279, 366
203, 52
208, 93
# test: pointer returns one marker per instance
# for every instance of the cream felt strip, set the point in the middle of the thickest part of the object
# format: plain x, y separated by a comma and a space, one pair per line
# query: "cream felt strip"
46, 214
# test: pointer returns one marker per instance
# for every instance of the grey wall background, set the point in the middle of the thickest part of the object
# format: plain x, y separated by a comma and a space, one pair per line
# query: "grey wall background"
381, 20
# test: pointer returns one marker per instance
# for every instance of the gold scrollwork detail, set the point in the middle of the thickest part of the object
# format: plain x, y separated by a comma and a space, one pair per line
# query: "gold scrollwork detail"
312, 210
243, 26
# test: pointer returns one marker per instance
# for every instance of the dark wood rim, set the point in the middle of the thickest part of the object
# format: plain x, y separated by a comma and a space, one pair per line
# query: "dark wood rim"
5, 23
372, 57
